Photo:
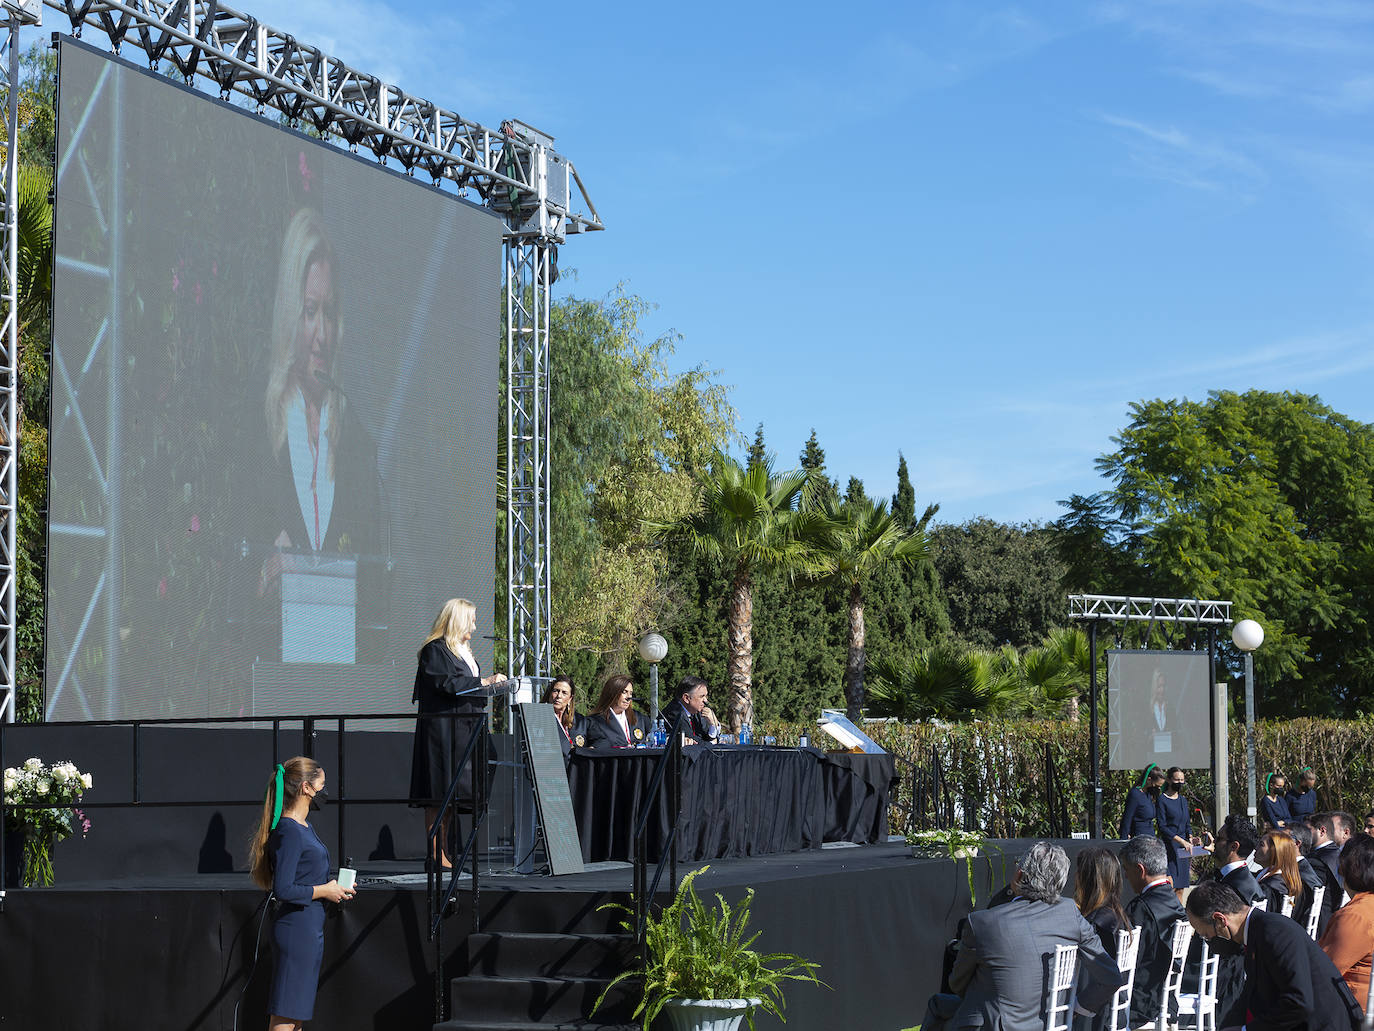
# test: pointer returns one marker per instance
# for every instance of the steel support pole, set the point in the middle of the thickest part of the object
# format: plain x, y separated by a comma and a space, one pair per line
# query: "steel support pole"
1250, 801
1216, 766
9, 379
1094, 761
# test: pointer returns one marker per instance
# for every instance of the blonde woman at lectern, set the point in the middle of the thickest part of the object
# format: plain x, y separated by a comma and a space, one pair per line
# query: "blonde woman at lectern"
447, 670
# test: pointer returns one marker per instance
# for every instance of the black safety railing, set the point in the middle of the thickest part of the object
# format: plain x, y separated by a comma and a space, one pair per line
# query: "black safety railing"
310, 728
1056, 802
444, 832
668, 769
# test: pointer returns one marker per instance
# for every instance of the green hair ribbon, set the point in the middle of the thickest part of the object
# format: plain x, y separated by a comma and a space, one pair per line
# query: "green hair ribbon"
1266, 783
1146, 775
277, 782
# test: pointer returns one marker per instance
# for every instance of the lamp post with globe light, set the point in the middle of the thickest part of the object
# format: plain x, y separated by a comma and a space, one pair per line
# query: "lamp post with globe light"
653, 649
1248, 635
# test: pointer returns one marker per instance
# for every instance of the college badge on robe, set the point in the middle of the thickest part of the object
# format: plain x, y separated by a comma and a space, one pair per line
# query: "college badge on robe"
639, 734
579, 741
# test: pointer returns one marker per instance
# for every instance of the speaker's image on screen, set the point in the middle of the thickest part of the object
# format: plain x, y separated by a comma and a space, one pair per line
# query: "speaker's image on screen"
1157, 710
274, 411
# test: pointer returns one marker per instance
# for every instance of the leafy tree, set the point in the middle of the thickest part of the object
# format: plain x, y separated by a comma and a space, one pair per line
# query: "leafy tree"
812, 462
1098, 548
863, 538
628, 438
904, 501
1004, 584
854, 491
758, 450
748, 521
1267, 500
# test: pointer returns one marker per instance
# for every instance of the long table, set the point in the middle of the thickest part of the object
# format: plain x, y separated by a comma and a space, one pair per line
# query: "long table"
736, 800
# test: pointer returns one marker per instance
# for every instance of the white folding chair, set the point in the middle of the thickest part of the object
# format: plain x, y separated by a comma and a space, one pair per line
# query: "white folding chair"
1178, 946
1127, 948
1063, 989
1315, 915
1287, 908
1199, 1009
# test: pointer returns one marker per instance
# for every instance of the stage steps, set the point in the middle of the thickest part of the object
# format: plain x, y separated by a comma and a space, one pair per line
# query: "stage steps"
542, 982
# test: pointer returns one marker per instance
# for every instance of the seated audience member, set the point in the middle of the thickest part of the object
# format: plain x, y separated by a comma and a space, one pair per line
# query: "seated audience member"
1274, 804
1155, 909
692, 693
1233, 846
1289, 982
1330, 832
1139, 815
1369, 823
1302, 797
999, 975
1097, 890
1311, 880
1349, 937
563, 696
1277, 852
615, 723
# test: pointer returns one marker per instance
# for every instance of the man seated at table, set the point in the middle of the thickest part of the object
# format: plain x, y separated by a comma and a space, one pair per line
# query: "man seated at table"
701, 725
999, 977
1155, 909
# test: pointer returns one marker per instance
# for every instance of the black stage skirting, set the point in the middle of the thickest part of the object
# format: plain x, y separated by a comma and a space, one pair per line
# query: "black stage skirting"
735, 801
175, 952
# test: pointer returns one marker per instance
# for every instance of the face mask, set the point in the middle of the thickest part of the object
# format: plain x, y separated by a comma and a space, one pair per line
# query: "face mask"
315, 803
1225, 946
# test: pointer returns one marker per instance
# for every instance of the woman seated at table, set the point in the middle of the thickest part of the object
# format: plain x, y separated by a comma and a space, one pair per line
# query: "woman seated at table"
1277, 852
615, 723
562, 696
1349, 937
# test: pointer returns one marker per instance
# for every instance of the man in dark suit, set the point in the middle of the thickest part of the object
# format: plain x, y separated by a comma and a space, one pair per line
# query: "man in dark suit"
1311, 880
1155, 909
1235, 843
1330, 831
1289, 982
1000, 974
692, 693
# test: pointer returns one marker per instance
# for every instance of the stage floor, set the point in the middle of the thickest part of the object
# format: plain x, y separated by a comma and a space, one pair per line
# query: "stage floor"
175, 951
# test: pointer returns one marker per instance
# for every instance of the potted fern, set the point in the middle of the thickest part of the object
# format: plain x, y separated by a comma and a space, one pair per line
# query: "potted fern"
703, 973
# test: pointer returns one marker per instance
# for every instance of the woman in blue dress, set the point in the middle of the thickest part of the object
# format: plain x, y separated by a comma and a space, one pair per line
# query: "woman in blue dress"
1171, 813
1139, 817
290, 861
1274, 804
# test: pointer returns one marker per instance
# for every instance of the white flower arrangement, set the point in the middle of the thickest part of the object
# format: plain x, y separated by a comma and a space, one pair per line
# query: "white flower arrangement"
55, 790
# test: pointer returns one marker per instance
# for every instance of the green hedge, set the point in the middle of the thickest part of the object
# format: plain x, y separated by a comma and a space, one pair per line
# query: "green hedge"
998, 768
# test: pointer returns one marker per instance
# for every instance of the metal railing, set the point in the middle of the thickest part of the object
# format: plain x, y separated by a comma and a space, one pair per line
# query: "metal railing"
669, 768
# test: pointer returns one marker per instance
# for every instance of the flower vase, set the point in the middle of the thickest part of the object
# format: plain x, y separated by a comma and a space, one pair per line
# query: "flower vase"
36, 870
707, 1014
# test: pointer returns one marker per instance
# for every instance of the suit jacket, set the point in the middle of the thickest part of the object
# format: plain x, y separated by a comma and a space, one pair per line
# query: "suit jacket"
1326, 861
697, 727
1243, 883
1154, 911
1275, 891
1349, 940
1004, 961
1290, 983
603, 732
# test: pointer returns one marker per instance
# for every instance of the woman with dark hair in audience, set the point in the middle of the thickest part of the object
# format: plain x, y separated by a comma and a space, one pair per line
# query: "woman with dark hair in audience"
1349, 937
1097, 890
288, 858
614, 723
1172, 817
1277, 852
1274, 804
1139, 816
563, 696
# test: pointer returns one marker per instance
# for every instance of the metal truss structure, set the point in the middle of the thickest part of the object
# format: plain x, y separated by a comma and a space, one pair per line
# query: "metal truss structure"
512, 170
1113, 609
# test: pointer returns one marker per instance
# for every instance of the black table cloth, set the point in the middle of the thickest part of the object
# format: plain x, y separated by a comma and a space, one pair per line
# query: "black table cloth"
736, 801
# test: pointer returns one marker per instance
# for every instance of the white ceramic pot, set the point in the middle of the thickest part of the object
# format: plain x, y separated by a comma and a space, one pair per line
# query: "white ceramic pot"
707, 1014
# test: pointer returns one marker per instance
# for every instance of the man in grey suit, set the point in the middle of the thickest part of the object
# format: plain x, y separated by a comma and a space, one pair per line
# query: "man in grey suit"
1006, 954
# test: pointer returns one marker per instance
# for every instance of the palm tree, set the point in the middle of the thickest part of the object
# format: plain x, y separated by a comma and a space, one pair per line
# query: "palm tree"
748, 520
864, 538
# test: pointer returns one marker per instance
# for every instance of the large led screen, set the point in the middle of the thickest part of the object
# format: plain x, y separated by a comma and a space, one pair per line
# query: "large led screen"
1157, 710
274, 410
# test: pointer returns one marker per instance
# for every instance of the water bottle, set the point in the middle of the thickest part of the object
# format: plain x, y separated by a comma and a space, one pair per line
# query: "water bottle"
660, 733
746, 734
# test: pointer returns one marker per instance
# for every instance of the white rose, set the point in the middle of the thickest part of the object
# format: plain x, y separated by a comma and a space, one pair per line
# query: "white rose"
33, 764
59, 774
10, 784
44, 785
86, 780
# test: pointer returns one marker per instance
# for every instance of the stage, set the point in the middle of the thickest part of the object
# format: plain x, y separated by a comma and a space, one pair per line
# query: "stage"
174, 951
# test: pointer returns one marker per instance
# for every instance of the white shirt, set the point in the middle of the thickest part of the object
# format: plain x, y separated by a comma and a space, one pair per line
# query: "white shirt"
310, 470
624, 724
1232, 866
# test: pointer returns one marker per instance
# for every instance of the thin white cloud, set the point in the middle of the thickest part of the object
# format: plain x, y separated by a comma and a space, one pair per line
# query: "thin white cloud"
1170, 154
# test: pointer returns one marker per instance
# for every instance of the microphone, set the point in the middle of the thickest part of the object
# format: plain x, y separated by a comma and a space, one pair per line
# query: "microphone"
329, 381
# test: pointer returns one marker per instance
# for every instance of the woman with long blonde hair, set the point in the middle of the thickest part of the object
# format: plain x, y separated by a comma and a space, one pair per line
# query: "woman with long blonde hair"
288, 858
446, 686
1280, 878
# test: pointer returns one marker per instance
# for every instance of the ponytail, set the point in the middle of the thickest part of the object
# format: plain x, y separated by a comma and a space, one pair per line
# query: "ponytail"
1145, 777
282, 790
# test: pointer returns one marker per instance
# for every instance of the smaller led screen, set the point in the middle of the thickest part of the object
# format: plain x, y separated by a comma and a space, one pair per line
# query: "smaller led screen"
1157, 710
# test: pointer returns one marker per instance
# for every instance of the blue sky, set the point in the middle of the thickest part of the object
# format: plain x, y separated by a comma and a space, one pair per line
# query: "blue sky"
969, 232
